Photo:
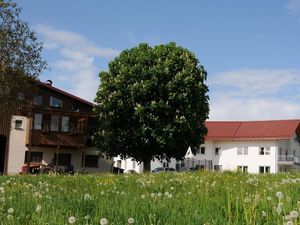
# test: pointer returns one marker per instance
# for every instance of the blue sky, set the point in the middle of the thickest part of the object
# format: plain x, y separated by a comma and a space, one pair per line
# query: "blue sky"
251, 49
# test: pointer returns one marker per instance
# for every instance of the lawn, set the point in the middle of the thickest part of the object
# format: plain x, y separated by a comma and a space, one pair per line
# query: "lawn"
163, 198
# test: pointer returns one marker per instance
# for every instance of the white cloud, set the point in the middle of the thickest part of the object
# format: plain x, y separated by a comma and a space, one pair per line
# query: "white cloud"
76, 60
254, 95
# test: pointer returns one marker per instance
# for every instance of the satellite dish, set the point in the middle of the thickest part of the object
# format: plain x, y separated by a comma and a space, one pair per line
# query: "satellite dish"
75, 108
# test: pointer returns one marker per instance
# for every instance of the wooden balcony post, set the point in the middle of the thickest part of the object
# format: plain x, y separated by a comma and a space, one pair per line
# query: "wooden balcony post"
57, 152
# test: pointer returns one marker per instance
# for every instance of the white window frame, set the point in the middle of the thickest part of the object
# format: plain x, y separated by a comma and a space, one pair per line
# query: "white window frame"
242, 150
264, 151
265, 168
242, 168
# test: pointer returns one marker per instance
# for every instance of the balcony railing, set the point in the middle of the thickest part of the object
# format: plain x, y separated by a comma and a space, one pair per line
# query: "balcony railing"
288, 158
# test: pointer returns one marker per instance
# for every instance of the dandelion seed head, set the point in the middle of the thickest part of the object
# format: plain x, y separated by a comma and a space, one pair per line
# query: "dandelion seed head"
103, 221
294, 214
38, 208
131, 221
264, 214
279, 195
10, 211
72, 220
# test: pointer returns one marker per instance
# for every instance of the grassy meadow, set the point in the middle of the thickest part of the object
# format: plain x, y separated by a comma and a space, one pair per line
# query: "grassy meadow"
163, 198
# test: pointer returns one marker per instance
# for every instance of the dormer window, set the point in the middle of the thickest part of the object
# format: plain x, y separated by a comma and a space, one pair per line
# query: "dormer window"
55, 102
38, 100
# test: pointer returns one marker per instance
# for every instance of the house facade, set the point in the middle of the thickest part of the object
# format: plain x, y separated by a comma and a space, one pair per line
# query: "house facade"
55, 127
246, 146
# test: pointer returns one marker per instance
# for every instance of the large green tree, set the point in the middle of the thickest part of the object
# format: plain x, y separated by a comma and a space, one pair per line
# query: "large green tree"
20, 53
152, 103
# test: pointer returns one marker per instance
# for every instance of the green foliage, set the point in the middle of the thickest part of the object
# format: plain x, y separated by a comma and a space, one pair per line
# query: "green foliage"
159, 199
152, 103
20, 52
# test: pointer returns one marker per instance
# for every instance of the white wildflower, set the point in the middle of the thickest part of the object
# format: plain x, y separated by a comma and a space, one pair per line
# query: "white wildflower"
10, 211
10, 217
103, 221
289, 223
142, 196
294, 214
131, 221
279, 195
264, 214
87, 217
278, 209
72, 220
38, 208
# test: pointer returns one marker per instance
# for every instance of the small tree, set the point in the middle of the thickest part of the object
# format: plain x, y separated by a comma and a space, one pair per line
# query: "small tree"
152, 103
20, 53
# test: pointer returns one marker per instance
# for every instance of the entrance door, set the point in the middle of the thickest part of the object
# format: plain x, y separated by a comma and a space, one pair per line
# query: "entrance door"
2, 152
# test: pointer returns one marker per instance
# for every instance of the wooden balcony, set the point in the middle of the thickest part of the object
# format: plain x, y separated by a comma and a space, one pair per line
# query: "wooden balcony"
52, 139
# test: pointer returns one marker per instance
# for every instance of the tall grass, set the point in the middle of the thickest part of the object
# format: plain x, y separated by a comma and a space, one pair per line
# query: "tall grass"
165, 199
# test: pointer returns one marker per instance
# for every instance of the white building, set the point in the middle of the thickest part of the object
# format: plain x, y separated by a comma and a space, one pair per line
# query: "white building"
248, 146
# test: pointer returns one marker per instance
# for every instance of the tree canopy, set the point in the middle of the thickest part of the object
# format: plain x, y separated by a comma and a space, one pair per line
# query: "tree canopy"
152, 103
20, 52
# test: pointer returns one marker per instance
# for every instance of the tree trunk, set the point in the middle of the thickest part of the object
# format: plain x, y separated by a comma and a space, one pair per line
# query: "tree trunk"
147, 165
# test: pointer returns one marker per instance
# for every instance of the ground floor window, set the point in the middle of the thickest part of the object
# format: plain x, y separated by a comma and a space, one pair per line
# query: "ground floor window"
34, 157
92, 161
243, 169
217, 167
64, 159
165, 164
264, 169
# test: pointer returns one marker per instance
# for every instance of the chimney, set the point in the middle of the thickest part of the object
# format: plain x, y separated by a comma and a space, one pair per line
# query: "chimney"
49, 82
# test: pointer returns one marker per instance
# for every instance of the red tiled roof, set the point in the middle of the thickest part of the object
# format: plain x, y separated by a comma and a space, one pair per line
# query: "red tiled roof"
251, 130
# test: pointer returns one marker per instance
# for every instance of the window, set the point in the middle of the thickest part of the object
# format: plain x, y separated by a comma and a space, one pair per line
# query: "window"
92, 161
34, 156
54, 123
37, 121
21, 96
264, 169
264, 151
242, 150
202, 150
217, 151
18, 124
217, 167
243, 169
64, 159
64, 123
55, 102
165, 164
38, 100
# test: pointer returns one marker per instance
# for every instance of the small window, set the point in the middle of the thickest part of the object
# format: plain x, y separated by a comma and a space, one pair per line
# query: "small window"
264, 169
202, 150
54, 123
217, 151
55, 102
242, 150
38, 100
18, 124
264, 151
34, 157
92, 161
64, 159
165, 164
217, 167
64, 123
37, 121
21, 96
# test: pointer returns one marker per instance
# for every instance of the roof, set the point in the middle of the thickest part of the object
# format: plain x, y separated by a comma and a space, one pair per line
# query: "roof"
251, 130
49, 86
